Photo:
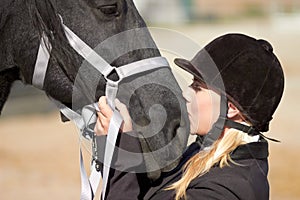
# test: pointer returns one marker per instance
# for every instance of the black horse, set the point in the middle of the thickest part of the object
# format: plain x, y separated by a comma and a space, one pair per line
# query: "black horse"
22, 25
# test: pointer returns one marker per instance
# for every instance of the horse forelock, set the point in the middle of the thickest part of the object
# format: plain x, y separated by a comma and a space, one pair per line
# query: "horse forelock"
43, 15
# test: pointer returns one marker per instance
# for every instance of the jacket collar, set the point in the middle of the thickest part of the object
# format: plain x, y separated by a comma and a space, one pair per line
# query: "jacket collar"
253, 150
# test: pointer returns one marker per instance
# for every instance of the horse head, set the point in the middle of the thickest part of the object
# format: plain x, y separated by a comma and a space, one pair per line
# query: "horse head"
118, 33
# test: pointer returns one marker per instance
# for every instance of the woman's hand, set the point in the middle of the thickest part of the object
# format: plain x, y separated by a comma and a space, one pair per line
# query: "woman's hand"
105, 114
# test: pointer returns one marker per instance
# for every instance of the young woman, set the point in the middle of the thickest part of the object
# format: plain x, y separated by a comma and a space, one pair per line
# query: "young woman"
238, 84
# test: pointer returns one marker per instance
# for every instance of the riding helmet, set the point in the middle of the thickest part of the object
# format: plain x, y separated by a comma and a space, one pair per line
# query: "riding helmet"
246, 70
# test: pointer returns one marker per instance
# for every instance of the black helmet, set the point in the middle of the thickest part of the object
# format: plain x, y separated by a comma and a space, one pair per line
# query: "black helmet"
245, 70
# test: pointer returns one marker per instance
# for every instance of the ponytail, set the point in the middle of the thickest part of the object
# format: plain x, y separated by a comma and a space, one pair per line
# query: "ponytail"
202, 162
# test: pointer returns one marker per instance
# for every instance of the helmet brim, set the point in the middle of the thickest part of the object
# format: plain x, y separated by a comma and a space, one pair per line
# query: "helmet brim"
189, 67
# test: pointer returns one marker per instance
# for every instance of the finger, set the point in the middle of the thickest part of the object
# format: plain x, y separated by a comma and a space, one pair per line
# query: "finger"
99, 130
127, 124
104, 121
104, 107
123, 109
102, 102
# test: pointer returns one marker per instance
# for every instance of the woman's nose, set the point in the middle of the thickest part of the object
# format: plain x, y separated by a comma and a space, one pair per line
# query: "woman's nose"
188, 94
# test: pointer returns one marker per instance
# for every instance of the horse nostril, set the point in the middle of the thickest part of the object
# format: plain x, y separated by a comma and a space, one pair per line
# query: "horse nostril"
109, 9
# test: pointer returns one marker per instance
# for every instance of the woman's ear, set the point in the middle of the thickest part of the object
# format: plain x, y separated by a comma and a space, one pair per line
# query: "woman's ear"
233, 113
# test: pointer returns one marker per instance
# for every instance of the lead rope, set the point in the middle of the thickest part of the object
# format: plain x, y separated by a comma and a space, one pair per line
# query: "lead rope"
88, 116
90, 184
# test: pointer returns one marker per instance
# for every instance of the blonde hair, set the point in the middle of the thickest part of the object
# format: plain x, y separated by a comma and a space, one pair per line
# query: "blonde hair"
200, 164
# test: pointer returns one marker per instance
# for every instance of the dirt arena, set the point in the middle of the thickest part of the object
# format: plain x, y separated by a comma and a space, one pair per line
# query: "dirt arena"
39, 155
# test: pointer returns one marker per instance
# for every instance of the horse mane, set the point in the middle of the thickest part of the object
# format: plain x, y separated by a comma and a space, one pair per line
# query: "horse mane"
6, 8
47, 21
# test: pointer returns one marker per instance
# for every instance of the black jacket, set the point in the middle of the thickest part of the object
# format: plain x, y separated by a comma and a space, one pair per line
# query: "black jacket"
246, 180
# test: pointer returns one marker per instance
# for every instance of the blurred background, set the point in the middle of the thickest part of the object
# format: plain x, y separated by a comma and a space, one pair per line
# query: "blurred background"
39, 154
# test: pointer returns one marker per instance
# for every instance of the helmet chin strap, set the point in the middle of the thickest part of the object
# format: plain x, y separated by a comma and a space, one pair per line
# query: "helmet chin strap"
250, 130
217, 128
214, 133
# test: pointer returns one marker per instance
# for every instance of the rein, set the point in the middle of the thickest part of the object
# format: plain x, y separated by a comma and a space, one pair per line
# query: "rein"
88, 115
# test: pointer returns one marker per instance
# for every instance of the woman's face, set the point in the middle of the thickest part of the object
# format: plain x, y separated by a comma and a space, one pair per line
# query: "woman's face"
203, 106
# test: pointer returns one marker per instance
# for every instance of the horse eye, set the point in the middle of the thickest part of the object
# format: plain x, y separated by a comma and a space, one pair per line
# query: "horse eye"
109, 9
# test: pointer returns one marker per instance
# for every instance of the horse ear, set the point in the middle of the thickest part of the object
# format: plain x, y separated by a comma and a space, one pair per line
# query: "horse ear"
63, 118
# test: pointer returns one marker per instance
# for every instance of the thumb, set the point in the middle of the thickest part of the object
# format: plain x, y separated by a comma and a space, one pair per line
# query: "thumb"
127, 124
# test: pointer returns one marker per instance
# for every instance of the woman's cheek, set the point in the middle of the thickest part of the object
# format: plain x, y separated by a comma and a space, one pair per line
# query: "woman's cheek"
194, 119
192, 125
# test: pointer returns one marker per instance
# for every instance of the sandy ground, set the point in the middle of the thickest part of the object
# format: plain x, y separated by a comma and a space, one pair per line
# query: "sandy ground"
39, 155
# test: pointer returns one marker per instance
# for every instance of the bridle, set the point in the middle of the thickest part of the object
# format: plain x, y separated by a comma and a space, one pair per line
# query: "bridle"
88, 113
